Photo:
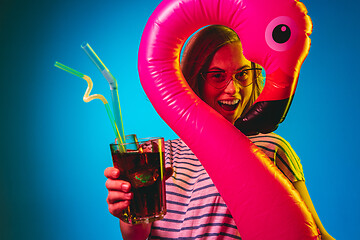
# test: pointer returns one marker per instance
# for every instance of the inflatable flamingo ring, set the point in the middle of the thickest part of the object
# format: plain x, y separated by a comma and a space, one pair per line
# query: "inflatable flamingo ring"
274, 34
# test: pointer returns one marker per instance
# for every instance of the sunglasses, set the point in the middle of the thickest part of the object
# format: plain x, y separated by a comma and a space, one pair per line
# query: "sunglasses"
220, 79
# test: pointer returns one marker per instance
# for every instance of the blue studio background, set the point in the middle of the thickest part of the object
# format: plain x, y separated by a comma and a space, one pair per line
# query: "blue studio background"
55, 147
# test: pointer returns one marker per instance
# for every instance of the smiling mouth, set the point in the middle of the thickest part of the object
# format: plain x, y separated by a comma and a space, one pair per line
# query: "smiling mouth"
229, 105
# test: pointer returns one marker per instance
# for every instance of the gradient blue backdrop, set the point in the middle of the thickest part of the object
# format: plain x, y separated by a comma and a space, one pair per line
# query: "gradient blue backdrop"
55, 147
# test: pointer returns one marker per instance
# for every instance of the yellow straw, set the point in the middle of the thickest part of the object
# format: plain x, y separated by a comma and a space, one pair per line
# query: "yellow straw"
87, 98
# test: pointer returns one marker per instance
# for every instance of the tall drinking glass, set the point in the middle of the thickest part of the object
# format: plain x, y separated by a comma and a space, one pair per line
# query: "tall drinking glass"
141, 162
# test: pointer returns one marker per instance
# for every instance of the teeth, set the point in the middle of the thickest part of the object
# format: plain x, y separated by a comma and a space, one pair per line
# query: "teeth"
230, 102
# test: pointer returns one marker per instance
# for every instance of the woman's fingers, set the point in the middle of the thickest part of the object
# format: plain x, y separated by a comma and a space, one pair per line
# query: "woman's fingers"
119, 191
117, 200
117, 208
117, 185
112, 173
117, 196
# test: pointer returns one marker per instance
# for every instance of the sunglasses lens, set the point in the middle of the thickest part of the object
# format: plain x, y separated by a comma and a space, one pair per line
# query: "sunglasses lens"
219, 79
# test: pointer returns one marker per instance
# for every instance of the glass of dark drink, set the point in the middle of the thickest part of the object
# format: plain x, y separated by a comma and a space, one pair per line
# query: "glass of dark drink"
141, 163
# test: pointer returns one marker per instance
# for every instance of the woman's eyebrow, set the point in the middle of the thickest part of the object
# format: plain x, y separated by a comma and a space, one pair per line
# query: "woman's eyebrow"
217, 69
243, 67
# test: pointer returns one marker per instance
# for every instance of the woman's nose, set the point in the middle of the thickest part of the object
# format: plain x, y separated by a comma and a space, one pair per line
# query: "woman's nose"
232, 87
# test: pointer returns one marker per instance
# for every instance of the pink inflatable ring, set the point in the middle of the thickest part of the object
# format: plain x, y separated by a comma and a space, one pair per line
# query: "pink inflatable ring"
274, 34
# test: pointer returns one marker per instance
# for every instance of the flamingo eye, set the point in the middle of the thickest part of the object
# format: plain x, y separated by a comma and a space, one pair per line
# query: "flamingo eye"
281, 33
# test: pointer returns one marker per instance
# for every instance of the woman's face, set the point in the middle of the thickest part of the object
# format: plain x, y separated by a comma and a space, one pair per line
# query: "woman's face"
231, 100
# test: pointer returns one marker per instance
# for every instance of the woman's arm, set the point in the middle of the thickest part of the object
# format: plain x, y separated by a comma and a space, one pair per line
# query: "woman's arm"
286, 159
134, 232
301, 188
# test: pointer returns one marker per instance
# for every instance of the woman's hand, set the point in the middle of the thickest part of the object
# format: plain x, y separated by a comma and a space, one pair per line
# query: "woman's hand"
119, 195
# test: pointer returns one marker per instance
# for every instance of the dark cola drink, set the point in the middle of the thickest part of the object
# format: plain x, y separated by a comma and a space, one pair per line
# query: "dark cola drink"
144, 169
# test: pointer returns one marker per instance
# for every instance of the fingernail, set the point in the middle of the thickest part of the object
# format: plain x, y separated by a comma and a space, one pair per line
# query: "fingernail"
125, 187
128, 196
115, 173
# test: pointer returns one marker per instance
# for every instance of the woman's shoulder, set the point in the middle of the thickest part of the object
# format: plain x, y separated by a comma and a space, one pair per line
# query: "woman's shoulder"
270, 136
270, 139
176, 143
274, 142
281, 153
177, 146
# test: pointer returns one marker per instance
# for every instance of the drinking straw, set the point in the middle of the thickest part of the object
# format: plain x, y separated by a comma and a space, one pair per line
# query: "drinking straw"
161, 153
87, 97
113, 86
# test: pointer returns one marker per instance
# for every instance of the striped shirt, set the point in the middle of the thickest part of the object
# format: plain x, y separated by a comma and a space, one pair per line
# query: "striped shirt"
195, 209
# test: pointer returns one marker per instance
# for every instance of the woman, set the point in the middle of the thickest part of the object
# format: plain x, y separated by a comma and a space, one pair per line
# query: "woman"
218, 72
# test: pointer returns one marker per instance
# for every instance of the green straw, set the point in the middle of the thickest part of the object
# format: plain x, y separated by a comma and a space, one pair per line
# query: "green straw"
98, 96
69, 70
113, 86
